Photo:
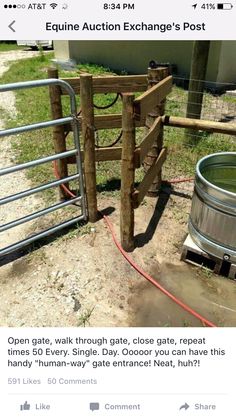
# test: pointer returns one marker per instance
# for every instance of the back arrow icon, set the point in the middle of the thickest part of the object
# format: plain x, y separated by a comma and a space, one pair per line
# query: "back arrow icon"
11, 24
184, 406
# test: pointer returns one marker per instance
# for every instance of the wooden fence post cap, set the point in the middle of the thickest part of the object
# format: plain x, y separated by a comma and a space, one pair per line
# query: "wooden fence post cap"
86, 75
53, 70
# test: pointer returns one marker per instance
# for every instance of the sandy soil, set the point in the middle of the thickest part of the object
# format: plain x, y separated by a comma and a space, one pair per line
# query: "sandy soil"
81, 279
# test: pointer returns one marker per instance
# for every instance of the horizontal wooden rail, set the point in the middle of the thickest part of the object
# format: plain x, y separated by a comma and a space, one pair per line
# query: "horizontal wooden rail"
108, 154
150, 138
199, 124
152, 97
143, 187
111, 84
108, 121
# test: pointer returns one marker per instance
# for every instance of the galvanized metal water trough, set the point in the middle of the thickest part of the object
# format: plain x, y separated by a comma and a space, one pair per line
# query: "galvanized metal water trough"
212, 223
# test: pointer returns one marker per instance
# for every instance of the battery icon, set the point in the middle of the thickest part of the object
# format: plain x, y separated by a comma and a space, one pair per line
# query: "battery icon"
224, 6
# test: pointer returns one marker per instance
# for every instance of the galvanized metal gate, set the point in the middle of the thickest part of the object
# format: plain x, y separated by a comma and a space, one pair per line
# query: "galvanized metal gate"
80, 196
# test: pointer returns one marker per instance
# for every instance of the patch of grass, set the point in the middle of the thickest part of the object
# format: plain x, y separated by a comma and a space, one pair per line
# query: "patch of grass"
186, 323
183, 155
78, 230
182, 158
84, 318
5, 46
228, 98
208, 273
33, 105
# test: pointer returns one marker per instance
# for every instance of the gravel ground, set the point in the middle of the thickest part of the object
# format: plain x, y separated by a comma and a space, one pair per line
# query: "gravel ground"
17, 181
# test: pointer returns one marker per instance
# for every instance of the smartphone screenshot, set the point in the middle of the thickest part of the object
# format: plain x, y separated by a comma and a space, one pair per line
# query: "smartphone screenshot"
117, 209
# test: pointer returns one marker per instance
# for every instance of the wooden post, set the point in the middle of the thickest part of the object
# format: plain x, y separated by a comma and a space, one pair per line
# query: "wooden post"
196, 86
88, 136
200, 124
155, 75
127, 174
59, 140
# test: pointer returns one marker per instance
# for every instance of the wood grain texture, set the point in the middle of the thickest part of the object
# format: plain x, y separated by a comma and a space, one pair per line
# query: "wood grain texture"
143, 187
152, 97
88, 137
149, 139
108, 121
127, 174
59, 140
111, 84
108, 154
199, 124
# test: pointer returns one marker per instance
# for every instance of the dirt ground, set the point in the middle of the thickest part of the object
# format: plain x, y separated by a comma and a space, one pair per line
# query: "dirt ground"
81, 279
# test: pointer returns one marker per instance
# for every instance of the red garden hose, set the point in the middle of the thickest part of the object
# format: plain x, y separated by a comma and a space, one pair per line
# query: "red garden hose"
138, 268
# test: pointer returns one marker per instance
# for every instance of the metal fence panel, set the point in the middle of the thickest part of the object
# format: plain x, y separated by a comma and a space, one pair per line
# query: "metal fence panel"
80, 197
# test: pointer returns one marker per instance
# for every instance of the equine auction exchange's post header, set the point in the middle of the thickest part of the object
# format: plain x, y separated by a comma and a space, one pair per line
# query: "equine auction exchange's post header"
117, 20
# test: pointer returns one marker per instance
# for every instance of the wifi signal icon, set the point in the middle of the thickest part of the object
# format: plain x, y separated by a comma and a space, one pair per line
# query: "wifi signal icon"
53, 5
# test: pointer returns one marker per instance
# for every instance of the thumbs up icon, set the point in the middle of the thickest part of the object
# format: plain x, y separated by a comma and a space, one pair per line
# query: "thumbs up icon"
25, 406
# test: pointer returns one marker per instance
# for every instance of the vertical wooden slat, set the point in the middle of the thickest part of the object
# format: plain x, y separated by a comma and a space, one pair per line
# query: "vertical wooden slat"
88, 138
154, 76
127, 174
59, 140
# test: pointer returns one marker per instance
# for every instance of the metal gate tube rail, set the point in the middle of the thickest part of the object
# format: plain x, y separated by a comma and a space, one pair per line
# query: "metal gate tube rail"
33, 163
73, 120
41, 235
41, 83
41, 188
38, 214
38, 125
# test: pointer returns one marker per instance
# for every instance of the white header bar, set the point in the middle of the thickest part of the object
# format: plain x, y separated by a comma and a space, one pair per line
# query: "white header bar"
118, 20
